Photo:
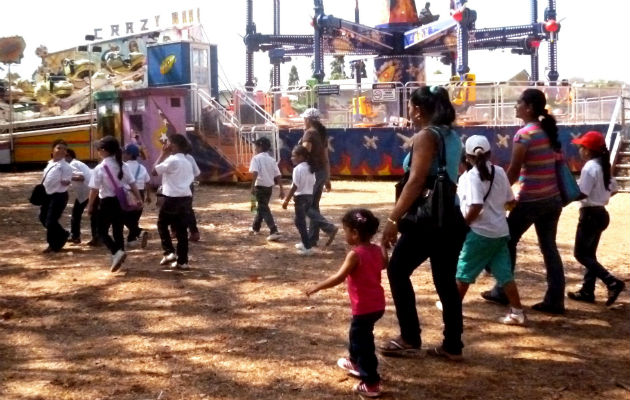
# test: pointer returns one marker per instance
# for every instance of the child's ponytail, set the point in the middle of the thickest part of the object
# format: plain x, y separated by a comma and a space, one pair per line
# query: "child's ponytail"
481, 162
604, 160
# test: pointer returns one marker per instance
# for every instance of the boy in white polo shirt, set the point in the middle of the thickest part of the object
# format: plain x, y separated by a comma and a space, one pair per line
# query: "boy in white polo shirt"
57, 177
177, 176
265, 174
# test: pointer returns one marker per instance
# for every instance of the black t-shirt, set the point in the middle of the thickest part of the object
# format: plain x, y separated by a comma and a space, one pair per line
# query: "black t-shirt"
319, 149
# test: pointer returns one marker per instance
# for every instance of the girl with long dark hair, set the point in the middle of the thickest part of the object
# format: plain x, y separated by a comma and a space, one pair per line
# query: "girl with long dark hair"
432, 114
533, 161
108, 175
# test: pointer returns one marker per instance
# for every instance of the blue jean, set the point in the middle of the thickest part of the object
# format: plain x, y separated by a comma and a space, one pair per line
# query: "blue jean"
442, 247
263, 212
544, 215
320, 180
593, 221
303, 209
361, 348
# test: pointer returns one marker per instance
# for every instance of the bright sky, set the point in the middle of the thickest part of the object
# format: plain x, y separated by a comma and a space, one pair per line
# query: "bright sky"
594, 39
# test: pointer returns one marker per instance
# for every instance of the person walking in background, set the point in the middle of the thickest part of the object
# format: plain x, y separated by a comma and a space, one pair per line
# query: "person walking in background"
597, 185
315, 140
538, 203
484, 193
141, 178
107, 176
56, 177
177, 176
434, 144
266, 173
361, 270
81, 175
302, 188
192, 218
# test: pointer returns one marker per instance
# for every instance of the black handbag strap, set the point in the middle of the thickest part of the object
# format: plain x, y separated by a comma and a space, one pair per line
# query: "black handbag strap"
441, 151
46, 174
490, 187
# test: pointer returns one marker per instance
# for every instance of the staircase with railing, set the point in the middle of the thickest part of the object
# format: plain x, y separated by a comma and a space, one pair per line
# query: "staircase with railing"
618, 141
229, 136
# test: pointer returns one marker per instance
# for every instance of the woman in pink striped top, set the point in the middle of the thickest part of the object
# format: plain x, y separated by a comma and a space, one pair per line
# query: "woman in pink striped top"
539, 204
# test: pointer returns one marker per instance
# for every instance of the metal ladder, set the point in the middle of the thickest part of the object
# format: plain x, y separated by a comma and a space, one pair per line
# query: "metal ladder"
618, 141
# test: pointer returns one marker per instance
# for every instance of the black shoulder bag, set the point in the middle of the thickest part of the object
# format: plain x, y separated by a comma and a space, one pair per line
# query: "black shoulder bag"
435, 207
38, 195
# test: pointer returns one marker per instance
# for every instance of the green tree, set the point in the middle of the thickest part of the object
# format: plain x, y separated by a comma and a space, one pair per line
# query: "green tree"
338, 66
294, 78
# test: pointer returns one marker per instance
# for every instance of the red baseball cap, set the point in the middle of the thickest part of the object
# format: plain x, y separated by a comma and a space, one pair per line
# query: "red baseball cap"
592, 140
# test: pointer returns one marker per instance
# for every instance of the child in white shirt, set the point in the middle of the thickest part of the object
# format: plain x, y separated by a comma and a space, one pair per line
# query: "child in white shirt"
265, 173
81, 175
484, 192
56, 178
142, 178
177, 176
302, 188
596, 185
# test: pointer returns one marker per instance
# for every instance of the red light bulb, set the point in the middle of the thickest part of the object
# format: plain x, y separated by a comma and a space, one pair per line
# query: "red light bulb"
552, 26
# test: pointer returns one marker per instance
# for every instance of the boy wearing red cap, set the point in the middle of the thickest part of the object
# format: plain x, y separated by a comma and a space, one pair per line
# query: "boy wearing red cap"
596, 185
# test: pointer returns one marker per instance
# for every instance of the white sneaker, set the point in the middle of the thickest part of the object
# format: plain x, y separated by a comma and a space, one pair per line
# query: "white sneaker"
252, 231
513, 318
438, 305
305, 252
175, 265
167, 259
300, 246
117, 260
274, 236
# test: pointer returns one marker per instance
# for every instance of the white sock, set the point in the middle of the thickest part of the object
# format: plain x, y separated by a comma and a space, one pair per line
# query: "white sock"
517, 311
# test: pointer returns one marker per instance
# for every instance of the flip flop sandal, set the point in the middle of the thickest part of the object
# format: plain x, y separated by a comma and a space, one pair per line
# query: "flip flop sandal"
397, 348
441, 353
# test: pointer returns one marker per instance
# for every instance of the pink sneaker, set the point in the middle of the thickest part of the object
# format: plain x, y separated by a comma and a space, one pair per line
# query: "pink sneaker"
366, 390
348, 366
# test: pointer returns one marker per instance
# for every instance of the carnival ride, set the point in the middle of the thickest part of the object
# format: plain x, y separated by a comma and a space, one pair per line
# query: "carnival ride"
403, 39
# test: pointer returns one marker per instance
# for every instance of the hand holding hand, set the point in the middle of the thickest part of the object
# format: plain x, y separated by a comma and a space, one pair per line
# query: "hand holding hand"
390, 235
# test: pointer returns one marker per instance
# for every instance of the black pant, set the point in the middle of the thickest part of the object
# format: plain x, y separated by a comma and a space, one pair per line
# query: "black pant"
192, 218
544, 215
49, 215
75, 220
174, 212
361, 347
132, 221
442, 247
593, 221
110, 214
263, 212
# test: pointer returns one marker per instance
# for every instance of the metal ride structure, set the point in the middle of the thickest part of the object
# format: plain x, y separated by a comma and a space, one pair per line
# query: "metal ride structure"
404, 37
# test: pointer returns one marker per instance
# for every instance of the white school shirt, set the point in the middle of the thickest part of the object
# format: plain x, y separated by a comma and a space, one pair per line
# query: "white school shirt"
303, 179
195, 167
101, 181
81, 188
491, 222
139, 173
591, 183
266, 167
177, 175
54, 173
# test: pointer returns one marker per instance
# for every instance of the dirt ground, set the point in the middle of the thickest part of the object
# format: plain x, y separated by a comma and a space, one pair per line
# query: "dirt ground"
237, 326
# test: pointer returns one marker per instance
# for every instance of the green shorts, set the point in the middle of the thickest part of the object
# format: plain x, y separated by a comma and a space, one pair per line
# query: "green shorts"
480, 251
